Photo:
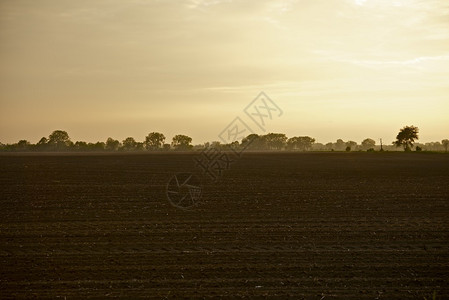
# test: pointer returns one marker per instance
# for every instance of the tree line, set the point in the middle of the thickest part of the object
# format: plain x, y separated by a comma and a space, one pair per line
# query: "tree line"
59, 140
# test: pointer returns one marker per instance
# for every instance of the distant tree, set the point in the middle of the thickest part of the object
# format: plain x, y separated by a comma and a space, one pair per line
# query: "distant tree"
302, 143
42, 145
292, 143
112, 145
59, 140
253, 142
166, 147
351, 144
42, 141
98, 146
80, 146
275, 141
23, 145
368, 144
182, 142
445, 143
418, 149
340, 145
215, 144
2, 146
406, 137
198, 147
318, 147
233, 145
129, 144
348, 149
434, 146
140, 146
329, 146
154, 141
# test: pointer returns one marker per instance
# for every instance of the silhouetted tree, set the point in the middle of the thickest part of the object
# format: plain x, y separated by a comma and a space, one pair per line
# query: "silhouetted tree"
182, 142
445, 143
302, 143
234, 145
42, 141
23, 145
112, 145
129, 144
275, 141
59, 140
214, 144
80, 146
154, 141
253, 142
368, 144
140, 146
42, 145
98, 146
406, 137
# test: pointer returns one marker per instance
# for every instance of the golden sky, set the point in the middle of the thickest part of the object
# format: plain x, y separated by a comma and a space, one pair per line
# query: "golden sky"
347, 69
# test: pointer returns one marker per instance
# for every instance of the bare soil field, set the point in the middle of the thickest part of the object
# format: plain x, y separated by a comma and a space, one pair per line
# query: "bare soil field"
276, 225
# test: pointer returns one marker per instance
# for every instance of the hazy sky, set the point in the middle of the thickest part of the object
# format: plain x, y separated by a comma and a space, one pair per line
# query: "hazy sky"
346, 69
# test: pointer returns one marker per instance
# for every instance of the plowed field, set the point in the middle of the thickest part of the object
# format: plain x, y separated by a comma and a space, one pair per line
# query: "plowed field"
277, 225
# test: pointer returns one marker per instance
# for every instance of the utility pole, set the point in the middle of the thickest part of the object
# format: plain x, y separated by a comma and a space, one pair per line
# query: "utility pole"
381, 146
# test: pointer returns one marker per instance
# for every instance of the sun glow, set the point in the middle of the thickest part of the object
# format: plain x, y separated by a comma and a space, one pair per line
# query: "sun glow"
126, 68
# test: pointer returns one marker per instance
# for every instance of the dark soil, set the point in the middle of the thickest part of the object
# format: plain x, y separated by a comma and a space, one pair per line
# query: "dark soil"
277, 225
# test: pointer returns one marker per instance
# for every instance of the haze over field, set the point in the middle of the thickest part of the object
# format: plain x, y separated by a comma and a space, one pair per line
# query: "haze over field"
346, 69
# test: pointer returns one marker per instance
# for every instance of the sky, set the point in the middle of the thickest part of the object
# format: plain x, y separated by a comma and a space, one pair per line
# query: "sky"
349, 69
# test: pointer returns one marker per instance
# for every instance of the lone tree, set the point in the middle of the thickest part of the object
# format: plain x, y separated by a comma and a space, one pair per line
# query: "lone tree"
182, 142
445, 143
154, 141
59, 139
406, 137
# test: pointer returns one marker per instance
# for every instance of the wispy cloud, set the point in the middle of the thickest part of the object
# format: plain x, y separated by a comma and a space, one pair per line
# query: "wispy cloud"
408, 62
201, 4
